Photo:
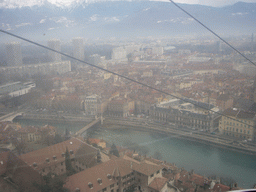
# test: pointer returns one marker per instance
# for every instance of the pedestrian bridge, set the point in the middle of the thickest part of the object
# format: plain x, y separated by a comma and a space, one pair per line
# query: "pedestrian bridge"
10, 116
81, 131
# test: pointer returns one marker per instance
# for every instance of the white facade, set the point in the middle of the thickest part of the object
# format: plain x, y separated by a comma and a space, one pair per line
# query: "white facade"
55, 45
16, 89
44, 68
78, 48
92, 105
119, 54
157, 50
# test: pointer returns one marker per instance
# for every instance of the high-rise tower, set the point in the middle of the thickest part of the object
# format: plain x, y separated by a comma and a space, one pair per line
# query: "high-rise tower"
54, 44
13, 52
78, 48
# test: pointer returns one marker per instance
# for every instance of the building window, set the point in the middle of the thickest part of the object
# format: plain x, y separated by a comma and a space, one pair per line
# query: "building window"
105, 189
99, 181
152, 175
91, 185
111, 186
158, 172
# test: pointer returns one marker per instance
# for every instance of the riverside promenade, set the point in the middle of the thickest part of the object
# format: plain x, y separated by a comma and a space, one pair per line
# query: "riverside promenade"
201, 137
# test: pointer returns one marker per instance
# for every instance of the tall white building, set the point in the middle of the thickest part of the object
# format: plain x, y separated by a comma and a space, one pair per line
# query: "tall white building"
157, 50
119, 54
54, 44
78, 48
13, 52
92, 105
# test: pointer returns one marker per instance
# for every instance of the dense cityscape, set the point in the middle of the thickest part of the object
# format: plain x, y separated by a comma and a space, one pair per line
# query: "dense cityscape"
73, 121
201, 87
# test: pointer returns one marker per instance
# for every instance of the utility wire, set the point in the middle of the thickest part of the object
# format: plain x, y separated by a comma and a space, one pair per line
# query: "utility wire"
114, 73
213, 32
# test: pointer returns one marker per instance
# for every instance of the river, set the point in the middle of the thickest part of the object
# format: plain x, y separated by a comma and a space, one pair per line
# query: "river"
204, 159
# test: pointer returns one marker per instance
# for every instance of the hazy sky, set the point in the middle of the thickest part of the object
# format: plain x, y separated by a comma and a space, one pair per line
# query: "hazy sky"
202, 2
213, 2
68, 2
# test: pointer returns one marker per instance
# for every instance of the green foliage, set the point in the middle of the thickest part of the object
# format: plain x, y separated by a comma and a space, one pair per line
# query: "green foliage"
57, 139
114, 151
20, 146
69, 169
52, 183
131, 189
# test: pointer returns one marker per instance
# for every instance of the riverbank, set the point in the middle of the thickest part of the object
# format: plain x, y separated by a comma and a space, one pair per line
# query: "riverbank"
205, 159
208, 140
55, 118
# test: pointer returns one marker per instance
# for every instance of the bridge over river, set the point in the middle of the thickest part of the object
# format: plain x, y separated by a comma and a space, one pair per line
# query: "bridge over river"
81, 131
11, 116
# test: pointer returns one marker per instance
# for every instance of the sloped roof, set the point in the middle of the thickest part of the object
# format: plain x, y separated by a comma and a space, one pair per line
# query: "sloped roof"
158, 183
3, 162
114, 167
86, 154
18, 172
39, 156
239, 113
220, 188
145, 168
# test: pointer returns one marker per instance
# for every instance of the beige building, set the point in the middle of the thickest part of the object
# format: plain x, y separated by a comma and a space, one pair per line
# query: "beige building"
239, 124
224, 101
119, 175
120, 108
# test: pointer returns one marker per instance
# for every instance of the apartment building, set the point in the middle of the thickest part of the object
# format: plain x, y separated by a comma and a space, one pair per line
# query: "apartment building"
119, 175
238, 123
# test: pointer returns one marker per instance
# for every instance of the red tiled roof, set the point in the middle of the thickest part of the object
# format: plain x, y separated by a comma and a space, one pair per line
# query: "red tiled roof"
114, 167
3, 162
39, 156
19, 172
158, 183
220, 188
198, 179
146, 169
93, 140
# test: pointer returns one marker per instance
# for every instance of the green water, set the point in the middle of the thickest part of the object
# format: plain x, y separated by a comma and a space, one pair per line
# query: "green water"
204, 159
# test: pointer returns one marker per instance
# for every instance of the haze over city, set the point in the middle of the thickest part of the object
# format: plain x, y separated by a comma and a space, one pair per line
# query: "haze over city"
142, 98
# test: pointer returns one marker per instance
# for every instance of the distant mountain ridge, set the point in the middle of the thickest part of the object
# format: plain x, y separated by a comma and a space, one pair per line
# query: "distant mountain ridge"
125, 18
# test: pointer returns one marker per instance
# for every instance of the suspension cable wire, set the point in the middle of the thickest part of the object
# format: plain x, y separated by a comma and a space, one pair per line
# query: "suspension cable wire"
232, 47
122, 76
